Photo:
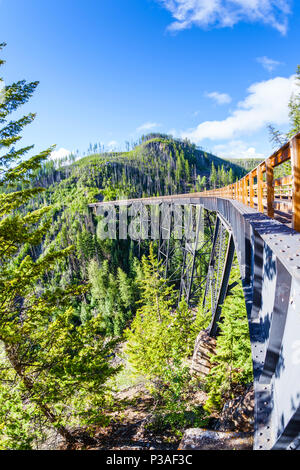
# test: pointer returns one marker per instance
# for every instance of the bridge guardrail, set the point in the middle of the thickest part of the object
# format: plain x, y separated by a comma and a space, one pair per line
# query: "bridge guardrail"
259, 189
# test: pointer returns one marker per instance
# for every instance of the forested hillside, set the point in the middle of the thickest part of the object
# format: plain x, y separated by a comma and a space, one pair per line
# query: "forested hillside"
83, 318
247, 163
125, 326
160, 165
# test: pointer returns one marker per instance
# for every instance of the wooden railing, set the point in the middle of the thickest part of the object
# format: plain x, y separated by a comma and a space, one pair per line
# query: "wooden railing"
280, 197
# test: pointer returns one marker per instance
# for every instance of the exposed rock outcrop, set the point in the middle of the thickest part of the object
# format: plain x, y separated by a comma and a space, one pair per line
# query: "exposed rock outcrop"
205, 346
203, 439
238, 414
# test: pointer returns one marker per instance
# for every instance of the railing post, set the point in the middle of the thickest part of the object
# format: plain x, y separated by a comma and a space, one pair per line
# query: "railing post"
295, 161
251, 190
270, 189
243, 190
260, 189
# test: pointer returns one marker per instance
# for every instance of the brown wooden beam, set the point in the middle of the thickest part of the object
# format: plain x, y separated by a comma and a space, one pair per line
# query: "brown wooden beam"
295, 160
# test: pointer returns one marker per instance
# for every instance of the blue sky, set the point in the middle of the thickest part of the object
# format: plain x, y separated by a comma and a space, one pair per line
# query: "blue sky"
215, 71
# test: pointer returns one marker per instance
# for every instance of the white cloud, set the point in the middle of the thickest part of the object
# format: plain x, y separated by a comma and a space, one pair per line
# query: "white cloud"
112, 145
60, 154
268, 64
267, 102
219, 98
237, 149
224, 13
147, 126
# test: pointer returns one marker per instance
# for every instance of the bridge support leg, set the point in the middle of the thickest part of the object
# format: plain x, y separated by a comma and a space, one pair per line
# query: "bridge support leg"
191, 250
218, 275
213, 329
209, 281
165, 230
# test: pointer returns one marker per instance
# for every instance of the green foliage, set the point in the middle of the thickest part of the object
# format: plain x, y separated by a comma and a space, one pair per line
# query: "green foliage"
232, 364
247, 163
213, 176
49, 364
294, 109
160, 334
177, 421
277, 138
159, 340
203, 318
148, 169
56, 335
19, 421
113, 297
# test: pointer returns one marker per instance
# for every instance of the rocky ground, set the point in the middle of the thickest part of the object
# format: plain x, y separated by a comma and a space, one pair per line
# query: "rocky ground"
131, 427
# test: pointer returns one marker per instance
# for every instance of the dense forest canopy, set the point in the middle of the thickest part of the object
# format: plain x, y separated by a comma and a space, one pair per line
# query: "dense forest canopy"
70, 301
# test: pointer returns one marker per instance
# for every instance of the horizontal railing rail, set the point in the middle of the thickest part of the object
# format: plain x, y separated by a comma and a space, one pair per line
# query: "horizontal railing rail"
259, 189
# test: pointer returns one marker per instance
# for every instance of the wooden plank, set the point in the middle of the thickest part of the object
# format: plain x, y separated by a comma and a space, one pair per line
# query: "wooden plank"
283, 155
260, 189
251, 189
295, 160
270, 189
244, 190
283, 181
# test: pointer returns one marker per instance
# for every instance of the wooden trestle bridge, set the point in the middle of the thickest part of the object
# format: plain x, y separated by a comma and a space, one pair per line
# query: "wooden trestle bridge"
258, 218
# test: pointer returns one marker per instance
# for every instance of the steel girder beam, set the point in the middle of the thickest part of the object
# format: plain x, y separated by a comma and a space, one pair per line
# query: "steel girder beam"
162, 224
165, 250
218, 273
191, 251
216, 314
269, 259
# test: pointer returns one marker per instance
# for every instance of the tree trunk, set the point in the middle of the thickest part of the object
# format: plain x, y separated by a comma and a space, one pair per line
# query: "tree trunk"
49, 414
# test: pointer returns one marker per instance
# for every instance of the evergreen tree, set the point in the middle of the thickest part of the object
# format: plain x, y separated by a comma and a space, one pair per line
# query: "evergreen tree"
47, 362
113, 297
294, 107
277, 138
213, 176
230, 176
232, 363
161, 335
